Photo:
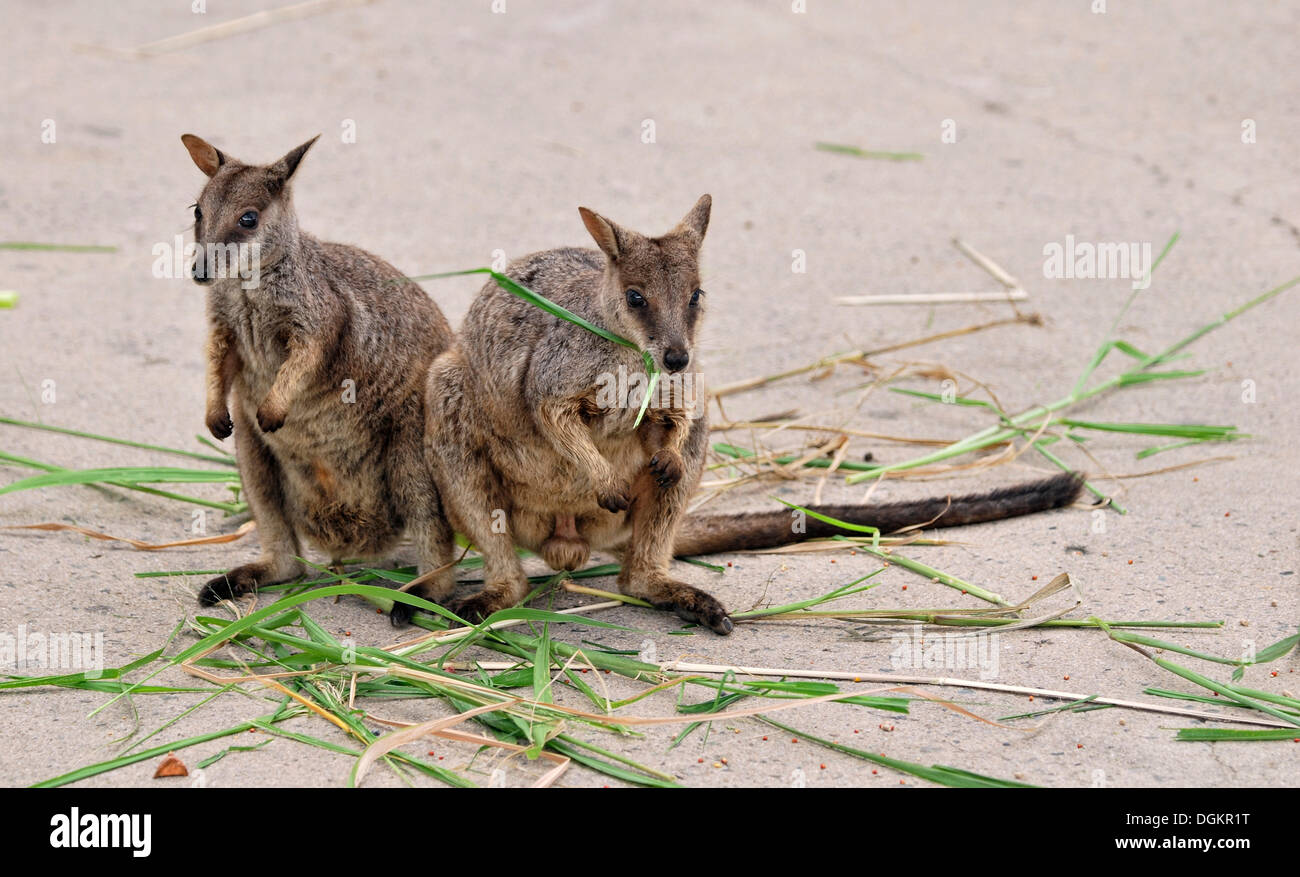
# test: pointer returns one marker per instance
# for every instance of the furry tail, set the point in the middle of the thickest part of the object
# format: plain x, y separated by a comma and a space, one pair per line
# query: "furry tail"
716, 534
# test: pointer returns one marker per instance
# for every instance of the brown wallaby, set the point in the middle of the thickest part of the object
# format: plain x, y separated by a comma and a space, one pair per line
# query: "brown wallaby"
528, 449
324, 355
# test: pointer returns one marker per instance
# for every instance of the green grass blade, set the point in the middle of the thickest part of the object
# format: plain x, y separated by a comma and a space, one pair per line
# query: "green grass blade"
728, 450
144, 755
121, 475
56, 248
874, 532
1225, 690
227, 460
1140, 639
230, 508
1278, 649
213, 759
540, 301
937, 773
1107, 343
955, 400
612, 770
1175, 430
1219, 735
859, 152
997, 434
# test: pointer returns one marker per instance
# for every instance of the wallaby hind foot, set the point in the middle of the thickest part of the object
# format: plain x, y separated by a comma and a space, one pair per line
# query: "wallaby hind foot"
245, 579
688, 602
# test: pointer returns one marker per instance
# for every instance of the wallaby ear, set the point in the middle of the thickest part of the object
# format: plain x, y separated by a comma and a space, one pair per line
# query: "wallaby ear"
208, 158
602, 231
698, 219
283, 169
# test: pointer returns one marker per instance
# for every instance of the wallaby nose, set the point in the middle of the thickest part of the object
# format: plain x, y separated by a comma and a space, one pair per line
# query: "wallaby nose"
675, 359
197, 273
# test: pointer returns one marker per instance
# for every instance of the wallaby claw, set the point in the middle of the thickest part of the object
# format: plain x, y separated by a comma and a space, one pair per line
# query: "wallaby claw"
240, 580
667, 468
220, 425
476, 607
718, 622
615, 500
694, 605
269, 418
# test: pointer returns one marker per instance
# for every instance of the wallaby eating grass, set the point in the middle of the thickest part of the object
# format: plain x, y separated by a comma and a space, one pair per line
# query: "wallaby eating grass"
529, 448
526, 448
323, 360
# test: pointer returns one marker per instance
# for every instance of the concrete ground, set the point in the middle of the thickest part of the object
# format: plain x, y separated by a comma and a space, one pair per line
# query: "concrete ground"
477, 131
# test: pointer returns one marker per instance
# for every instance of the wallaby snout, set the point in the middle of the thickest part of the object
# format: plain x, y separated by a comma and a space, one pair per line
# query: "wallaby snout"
199, 269
676, 358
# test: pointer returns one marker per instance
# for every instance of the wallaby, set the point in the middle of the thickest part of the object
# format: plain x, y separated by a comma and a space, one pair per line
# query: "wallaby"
324, 356
527, 447
524, 449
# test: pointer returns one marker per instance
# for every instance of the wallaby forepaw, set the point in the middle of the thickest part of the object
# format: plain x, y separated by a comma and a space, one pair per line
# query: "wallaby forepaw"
667, 468
696, 606
219, 424
614, 499
270, 417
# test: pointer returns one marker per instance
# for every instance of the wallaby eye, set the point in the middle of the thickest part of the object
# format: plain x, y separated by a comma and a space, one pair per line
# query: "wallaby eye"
695, 297
249, 219
198, 214
635, 299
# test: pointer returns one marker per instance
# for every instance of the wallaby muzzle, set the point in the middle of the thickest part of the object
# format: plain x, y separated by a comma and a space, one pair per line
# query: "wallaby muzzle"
196, 271
676, 358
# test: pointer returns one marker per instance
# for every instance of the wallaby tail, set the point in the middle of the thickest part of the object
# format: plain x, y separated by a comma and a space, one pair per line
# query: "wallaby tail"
716, 534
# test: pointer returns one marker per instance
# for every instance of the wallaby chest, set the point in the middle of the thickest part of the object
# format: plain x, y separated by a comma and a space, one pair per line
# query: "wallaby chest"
260, 324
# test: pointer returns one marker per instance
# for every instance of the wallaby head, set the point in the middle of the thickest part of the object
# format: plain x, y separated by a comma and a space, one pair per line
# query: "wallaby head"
650, 293
243, 204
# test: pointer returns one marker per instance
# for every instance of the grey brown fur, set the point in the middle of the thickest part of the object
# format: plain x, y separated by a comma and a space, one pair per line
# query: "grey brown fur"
347, 476
523, 450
